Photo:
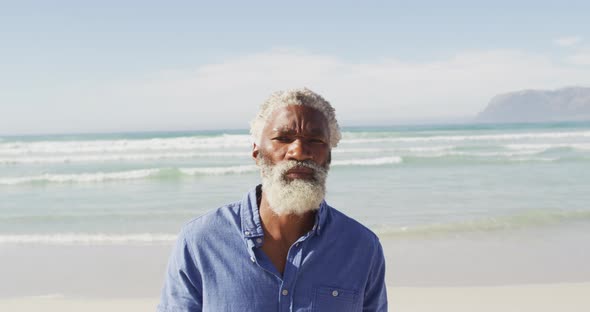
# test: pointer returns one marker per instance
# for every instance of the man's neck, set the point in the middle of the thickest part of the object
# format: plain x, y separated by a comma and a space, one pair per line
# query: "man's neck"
285, 229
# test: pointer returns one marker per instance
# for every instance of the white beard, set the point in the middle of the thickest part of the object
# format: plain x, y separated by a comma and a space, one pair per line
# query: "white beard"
296, 196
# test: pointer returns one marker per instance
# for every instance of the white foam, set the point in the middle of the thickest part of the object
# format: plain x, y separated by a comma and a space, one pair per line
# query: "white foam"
544, 147
81, 177
394, 149
541, 159
53, 159
368, 161
534, 218
145, 173
429, 148
478, 154
125, 175
482, 137
109, 146
357, 150
87, 239
219, 170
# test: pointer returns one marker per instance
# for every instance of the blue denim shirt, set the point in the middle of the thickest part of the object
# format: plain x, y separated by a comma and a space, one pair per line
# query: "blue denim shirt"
218, 265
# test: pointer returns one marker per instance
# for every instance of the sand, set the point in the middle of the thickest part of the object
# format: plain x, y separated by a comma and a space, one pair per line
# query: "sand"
518, 298
548, 273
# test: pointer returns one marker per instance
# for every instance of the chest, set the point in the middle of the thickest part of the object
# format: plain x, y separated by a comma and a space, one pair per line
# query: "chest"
315, 278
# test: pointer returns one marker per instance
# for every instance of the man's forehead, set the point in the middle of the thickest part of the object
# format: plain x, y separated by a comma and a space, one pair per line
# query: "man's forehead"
295, 117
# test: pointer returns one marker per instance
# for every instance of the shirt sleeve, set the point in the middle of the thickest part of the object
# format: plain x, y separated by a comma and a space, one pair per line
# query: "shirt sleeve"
182, 289
375, 292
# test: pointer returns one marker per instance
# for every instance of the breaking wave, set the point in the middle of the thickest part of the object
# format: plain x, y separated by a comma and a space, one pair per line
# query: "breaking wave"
368, 162
56, 159
87, 239
169, 173
503, 223
478, 137
118, 146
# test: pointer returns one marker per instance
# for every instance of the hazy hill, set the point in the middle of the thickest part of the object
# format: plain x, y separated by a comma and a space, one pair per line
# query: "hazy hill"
565, 104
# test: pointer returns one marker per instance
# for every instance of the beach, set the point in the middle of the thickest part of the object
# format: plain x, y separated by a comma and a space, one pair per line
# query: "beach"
442, 274
471, 217
128, 283
518, 298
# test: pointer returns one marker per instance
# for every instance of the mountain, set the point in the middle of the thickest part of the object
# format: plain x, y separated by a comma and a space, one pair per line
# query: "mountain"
567, 104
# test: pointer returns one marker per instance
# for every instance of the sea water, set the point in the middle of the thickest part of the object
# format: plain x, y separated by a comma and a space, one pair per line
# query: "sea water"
402, 181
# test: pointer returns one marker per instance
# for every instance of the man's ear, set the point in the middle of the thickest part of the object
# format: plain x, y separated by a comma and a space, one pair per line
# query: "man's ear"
255, 152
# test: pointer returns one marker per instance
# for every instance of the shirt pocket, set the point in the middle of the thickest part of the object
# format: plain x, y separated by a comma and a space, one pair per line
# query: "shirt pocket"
328, 299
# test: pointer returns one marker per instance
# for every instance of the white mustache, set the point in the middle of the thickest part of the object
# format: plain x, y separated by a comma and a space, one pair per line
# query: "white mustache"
290, 164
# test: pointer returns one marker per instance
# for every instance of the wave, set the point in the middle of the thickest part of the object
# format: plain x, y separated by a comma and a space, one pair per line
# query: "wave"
117, 146
481, 137
482, 158
164, 173
395, 149
241, 141
479, 154
442, 157
170, 173
109, 157
219, 170
504, 223
105, 216
55, 159
545, 147
368, 162
514, 150
81, 177
87, 239
532, 219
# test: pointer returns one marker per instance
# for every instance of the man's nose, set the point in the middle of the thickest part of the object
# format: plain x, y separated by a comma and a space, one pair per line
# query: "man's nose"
298, 150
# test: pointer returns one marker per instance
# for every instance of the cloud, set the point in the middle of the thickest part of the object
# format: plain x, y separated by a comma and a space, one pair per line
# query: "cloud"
227, 94
580, 57
567, 41
385, 89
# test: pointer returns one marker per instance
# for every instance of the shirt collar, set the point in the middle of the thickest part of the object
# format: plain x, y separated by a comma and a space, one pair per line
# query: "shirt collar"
251, 225
250, 215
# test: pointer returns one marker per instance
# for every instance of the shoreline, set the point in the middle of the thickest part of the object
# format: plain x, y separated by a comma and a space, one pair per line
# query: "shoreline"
532, 270
547, 257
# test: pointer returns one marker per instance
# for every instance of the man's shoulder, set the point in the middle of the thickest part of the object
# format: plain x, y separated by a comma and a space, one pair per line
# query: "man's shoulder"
218, 220
348, 226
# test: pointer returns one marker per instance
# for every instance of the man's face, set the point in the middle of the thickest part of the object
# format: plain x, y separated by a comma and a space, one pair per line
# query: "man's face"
296, 132
294, 156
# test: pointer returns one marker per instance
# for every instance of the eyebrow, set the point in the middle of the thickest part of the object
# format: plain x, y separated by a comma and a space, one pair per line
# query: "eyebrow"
288, 130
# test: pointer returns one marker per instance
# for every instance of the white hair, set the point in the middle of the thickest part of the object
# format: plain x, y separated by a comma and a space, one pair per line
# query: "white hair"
292, 197
302, 96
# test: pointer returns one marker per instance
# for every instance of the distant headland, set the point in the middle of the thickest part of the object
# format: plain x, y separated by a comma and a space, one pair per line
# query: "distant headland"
566, 104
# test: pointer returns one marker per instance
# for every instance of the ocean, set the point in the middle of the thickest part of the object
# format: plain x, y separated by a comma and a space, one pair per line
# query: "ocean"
422, 181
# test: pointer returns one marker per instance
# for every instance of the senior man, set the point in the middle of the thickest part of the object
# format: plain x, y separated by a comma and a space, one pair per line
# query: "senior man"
282, 247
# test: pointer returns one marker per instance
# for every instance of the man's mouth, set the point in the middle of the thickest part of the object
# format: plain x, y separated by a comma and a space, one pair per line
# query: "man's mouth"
300, 173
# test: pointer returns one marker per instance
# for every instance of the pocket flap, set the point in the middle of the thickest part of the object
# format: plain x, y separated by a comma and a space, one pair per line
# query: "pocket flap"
336, 293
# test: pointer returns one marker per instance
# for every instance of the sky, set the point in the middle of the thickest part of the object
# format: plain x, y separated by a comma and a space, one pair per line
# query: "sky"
112, 66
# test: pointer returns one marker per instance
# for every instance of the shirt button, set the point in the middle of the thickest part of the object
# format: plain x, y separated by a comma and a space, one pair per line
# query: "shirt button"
247, 232
259, 240
335, 293
285, 292
252, 259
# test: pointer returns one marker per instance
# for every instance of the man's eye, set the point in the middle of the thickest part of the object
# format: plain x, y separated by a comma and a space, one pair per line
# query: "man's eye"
318, 141
282, 139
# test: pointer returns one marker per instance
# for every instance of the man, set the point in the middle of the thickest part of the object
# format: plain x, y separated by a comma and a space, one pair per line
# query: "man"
281, 248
